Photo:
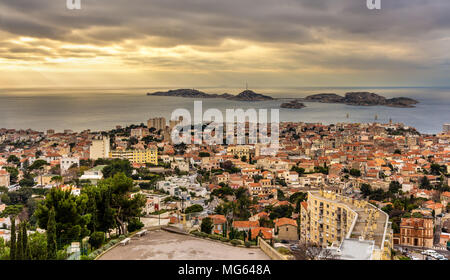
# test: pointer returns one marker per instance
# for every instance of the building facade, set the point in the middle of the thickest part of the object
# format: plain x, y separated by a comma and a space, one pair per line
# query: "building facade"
329, 219
100, 148
149, 155
417, 232
286, 229
157, 123
4, 178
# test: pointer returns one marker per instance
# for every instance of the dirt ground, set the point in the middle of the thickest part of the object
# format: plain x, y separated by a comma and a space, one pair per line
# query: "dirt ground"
163, 245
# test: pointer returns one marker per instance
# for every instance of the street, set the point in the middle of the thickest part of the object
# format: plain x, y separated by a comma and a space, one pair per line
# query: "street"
416, 252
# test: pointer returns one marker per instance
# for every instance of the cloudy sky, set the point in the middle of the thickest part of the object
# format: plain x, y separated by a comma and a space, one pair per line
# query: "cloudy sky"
196, 43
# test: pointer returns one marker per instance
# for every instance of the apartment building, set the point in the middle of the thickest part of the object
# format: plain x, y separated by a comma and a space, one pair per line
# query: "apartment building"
100, 148
4, 178
417, 232
67, 162
240, 151
157, 123
139, 132
149, 155
350, 228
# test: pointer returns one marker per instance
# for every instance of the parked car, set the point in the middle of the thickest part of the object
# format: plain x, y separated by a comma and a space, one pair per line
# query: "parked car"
436, 255
430, 252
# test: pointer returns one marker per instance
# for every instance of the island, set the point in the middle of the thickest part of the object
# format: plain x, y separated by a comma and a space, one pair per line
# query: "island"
350, 98
246, 95
362, 99
294, 104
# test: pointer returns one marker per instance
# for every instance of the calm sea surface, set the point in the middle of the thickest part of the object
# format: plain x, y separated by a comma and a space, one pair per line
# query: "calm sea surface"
101, 109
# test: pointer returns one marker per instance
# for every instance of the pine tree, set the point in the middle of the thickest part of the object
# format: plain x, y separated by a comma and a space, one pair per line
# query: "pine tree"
19, 243
25, 251
51, 235
12, 251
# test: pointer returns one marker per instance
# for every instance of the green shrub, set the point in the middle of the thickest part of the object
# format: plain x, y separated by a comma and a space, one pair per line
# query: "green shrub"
97, 239
284, 251
247, 244
215, 237
114, 242
207, 225
134, 225
224, 239
236, 242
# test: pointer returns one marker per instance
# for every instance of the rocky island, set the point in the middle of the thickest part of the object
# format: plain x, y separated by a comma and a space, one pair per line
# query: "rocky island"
189, 93
246, 95
294, 104
362, 99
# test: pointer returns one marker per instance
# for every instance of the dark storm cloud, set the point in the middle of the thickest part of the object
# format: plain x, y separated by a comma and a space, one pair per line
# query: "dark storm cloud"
404, 35
192, 21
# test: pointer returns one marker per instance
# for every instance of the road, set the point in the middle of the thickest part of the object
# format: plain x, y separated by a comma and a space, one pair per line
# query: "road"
415, 251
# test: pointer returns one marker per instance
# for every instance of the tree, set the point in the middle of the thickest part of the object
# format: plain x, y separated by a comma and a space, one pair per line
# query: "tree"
425, 183
4, 250
13, 174
25, 249
298, 196
207, 225
119, 205
394, 187
280, 195
193, 209
310, 251
281, 211
355, 172
19, 243
26, 182
51, 235
71, 217
135, 224
437, 169
96, 239
57, 179
12, 250
297, 169
38, 164
37, 244
117, 166
366, 189
13, 159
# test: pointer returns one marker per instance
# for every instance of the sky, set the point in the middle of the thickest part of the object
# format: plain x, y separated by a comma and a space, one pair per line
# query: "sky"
192, 43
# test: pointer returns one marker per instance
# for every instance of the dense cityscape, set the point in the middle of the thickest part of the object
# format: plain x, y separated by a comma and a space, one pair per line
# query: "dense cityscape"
351, 191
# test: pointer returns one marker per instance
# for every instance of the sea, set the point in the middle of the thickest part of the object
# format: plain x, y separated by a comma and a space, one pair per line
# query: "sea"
100, 109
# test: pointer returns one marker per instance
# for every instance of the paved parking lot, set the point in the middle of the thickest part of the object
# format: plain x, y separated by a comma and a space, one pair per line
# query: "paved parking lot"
163, 245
